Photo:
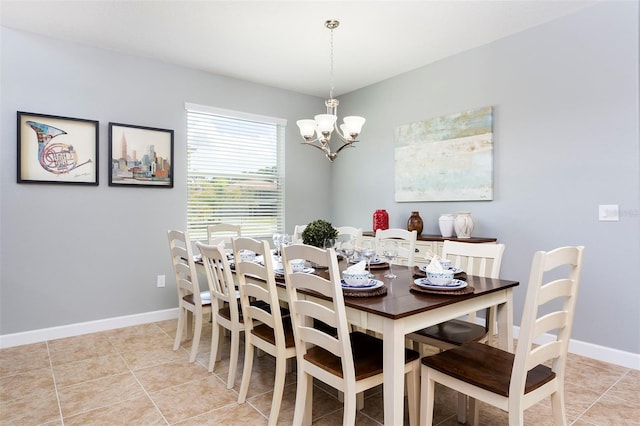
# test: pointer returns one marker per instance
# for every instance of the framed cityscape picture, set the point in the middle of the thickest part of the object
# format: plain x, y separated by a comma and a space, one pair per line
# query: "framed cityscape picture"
140, 156
59, 150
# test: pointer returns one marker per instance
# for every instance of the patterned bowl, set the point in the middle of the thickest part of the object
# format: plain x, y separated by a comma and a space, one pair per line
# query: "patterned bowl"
440, 278
358, 279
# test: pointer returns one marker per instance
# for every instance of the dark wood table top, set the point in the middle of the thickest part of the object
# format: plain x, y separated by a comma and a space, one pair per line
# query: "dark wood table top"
400, 301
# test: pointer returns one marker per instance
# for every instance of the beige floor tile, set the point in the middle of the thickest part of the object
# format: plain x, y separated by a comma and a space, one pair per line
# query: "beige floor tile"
103, 392
193, 398
628, 387
30, 410
612, 411
229, 415
170, 374
143, 358
89, 369
137, 411
29, 384
78, 348
23, 358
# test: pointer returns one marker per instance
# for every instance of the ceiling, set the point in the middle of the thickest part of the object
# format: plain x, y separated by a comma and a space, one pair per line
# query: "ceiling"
284, 43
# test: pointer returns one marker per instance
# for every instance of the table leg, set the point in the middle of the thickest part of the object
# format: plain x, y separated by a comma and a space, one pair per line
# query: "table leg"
393, 372
505, 323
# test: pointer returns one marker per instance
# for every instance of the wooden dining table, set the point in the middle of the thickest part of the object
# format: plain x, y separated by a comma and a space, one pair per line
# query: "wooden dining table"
403, 310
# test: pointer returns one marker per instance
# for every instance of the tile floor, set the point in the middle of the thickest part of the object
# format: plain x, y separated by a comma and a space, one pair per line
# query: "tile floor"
131, 376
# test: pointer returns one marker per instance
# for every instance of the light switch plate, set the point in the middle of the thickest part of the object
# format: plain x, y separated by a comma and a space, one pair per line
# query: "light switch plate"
608, 213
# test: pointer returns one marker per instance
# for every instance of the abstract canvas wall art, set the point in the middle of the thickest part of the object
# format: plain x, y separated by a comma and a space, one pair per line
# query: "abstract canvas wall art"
446, 158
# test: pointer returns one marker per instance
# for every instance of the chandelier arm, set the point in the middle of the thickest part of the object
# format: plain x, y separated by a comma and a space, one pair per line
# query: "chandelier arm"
320, 147
345, 145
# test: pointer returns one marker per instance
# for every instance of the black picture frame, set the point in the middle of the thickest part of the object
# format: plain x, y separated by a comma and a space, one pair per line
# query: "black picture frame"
140, 156
56, 150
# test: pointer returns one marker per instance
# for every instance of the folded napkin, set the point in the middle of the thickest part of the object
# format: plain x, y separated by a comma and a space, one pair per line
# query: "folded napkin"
358, 268
434, 265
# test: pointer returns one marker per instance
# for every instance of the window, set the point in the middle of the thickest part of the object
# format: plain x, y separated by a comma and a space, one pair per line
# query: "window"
235, 171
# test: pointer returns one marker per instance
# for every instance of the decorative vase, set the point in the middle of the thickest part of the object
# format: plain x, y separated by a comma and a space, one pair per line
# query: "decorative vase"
446, 224
415, 222
463, 225
380, 220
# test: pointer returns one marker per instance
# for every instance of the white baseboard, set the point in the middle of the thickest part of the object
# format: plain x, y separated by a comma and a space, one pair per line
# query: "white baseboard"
589, 350
35, 336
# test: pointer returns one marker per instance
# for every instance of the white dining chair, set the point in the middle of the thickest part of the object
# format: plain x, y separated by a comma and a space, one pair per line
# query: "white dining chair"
406, 247
350, 362
192, 302
227, 312
515, 382
265, 327
355, 233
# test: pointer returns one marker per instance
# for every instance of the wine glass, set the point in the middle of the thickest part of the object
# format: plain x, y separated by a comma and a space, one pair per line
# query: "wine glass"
329, 243
390, 251
347, 248
277, 240
368, 252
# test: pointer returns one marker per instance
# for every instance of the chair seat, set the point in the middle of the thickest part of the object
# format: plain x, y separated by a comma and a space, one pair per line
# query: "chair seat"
367, 356
226, 311
455, 332
266, 333
486, 367
189, 299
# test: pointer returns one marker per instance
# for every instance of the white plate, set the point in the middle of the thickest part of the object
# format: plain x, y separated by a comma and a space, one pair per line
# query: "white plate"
454, 285
374, 261
304, 271
455, 270
373, 284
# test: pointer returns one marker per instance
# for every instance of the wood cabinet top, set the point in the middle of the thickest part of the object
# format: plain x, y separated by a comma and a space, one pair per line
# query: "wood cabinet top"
428, 237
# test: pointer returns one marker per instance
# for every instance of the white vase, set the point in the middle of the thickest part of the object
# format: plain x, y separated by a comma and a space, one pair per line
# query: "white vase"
446, 224
463, 225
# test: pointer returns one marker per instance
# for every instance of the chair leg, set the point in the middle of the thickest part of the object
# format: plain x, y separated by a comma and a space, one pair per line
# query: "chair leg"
233, 358
304, 399
558, 408
427, 396
196, 338
246, 371
278, 389
350, 408
413, 393
178, 339
473, 411
215, 340
462, 408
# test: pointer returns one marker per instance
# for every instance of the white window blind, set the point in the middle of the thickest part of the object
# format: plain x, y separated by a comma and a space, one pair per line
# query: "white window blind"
234, 171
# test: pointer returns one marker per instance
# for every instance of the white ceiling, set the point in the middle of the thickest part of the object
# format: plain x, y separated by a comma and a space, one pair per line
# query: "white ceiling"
284, 43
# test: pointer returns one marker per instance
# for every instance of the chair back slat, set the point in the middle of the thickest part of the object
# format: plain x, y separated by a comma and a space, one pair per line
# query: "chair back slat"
223, 232
218, 273
406, 247
483, 260
183, 265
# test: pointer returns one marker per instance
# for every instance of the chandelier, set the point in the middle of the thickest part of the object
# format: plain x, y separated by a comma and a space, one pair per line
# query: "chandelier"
323, 125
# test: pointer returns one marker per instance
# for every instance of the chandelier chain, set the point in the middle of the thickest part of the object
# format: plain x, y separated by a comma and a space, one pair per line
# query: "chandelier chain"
331, 53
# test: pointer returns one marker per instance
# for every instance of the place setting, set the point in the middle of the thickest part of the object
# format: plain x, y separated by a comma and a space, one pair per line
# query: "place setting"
439, 277
357, 282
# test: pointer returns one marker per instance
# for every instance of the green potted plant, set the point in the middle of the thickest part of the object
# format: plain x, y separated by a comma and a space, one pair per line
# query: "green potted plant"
317, 231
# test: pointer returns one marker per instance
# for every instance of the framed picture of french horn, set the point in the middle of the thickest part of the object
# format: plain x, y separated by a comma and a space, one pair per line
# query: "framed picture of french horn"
59, 150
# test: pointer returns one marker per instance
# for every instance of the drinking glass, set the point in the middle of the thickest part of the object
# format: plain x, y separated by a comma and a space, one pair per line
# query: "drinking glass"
329, 243
347, 248
368, 252
277, 240
390, 251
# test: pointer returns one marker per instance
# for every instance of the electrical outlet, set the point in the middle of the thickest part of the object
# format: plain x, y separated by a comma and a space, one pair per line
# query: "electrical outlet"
160, 281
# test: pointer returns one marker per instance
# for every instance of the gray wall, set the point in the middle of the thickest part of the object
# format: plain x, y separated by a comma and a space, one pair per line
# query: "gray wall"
71, 253
565, 99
